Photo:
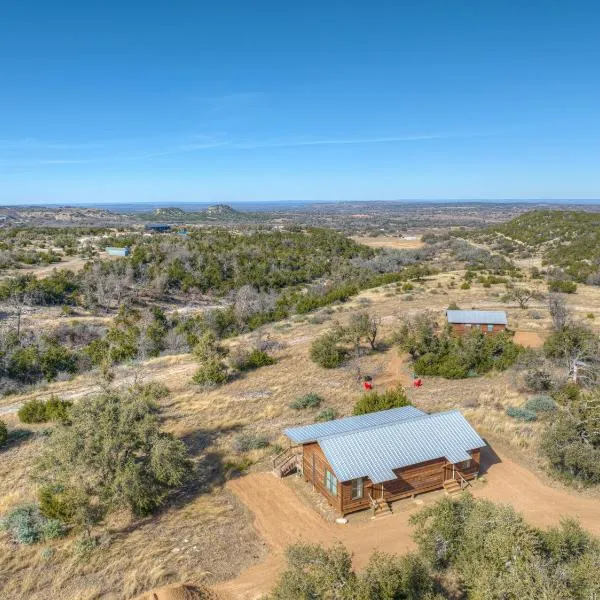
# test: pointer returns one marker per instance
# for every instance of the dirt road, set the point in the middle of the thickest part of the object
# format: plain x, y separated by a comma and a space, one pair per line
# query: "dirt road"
282, 518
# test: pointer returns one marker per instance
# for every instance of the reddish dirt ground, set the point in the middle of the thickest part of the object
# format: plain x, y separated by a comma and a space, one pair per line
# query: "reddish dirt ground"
397, 372
282, 518
529, 339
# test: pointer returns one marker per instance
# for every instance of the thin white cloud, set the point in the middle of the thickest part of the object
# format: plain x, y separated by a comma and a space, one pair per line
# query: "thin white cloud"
290, 143
37, 144
123, 150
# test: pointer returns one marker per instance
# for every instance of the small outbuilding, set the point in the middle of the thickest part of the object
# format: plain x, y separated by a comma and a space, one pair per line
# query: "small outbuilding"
370, 460
488, 321
114, 251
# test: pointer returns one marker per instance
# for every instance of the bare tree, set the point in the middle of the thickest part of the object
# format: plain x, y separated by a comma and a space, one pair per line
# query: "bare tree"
579, 348
559, 311
524, 296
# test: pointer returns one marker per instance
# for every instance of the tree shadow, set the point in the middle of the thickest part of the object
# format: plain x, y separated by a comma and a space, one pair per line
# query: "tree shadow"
16, 437
488, 458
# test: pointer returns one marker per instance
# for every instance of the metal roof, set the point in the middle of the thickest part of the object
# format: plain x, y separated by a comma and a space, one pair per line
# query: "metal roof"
479, 317
316, 431
376, 451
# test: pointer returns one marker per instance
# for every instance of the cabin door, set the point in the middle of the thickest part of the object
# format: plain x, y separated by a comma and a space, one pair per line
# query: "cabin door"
450, 472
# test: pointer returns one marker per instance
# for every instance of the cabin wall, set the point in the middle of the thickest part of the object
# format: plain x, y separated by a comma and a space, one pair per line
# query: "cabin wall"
312, 456
461, 328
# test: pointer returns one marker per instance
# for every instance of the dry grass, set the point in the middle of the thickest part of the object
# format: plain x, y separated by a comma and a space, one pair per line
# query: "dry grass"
206, 536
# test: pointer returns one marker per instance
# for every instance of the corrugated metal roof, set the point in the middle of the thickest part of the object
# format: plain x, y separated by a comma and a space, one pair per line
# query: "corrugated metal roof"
316, 431
480, 317
374, 452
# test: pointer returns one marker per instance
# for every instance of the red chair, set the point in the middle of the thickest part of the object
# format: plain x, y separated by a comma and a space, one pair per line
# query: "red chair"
367, 385
418, 382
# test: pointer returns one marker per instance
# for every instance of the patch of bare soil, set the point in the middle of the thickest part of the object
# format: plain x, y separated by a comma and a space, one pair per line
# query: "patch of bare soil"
529, 339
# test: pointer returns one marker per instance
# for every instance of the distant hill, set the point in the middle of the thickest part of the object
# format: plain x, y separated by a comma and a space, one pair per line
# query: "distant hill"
218, 212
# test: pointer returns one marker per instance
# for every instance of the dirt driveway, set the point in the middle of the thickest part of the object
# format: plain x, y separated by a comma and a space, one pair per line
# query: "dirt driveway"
282, 518
529, 339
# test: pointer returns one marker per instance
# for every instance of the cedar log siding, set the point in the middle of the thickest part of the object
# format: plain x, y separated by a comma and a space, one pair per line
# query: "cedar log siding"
415, 479
313, 455
461, 328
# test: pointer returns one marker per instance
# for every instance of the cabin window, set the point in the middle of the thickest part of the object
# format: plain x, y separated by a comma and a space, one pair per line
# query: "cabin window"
468, 325
357, 488
490, 327
466, 464
331, 483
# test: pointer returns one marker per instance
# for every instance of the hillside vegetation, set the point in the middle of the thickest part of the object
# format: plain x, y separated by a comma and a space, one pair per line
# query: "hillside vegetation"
565, 239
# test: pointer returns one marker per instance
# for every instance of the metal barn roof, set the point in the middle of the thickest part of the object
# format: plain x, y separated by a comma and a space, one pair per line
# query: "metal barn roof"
375, 451
316, 431
479, 317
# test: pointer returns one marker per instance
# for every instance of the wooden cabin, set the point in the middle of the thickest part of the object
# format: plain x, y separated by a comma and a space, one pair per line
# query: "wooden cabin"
370, 460
487, 321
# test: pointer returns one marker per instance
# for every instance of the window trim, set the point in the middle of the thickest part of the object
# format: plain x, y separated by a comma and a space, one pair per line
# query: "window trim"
490, 327
358, 485
331, 482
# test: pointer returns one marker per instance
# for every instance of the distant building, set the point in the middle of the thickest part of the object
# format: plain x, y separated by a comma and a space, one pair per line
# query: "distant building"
182, 232
488, 321
158, 227
112, 251
370, 460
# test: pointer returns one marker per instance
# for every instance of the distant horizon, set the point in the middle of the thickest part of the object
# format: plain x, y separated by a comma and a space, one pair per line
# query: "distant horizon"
265, 205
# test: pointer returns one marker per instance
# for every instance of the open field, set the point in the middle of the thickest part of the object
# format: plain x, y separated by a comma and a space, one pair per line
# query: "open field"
192, 540
390, 242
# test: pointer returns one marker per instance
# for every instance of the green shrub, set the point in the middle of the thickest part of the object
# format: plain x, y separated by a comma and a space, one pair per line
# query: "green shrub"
38, 411
33, 411
254, 360
521, 414
310, 400
211, 373
327, 414
249, 441
540, 404
326, 352
561, 286
27, 525
465, 286
3, 434
117, 435
374, 401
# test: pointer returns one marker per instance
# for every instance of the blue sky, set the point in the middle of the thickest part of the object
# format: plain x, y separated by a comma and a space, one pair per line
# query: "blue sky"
235, 101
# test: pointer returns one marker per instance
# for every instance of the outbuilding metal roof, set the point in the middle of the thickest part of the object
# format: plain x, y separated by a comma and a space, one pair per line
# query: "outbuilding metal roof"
316, 431
479, 317
375, 451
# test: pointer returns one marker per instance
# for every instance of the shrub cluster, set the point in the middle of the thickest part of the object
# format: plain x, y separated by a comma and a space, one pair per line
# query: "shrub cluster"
521, 414
326, 351
310, 400
469, 355
27, 525
249, 441
40, 411
562, 286
374, 401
